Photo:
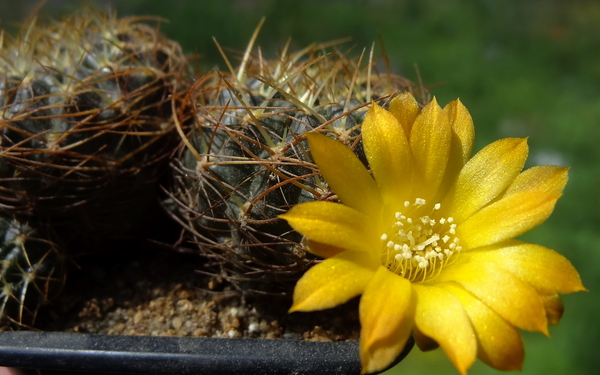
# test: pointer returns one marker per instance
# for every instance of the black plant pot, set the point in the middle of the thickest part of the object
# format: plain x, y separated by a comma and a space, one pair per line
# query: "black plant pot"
69, 352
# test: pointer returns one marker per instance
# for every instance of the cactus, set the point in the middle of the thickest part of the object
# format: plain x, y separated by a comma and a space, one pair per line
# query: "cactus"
84, 117
245, 159
32, 270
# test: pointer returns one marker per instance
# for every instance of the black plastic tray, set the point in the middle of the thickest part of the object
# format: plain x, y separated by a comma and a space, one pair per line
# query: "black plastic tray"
68, 352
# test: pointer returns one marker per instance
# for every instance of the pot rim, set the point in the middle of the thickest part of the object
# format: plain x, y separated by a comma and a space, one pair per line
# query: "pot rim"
181, 355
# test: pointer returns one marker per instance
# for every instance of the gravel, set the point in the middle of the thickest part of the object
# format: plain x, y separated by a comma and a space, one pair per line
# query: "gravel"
160, 293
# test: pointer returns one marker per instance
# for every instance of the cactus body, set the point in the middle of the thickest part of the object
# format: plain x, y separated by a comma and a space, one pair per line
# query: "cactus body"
32, 270
246, 159
84, 111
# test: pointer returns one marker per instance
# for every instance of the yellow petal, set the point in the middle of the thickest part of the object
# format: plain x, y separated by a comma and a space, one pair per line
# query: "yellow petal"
406, 109
510, 297
386, 318
345, 174
507, 218
549, 179
321, 249
440, 315
499, 343
462, 127
485, 176
463, 134
430, 141
387, 150
554, 308
544, 269
333, 224
333, 281
424, 343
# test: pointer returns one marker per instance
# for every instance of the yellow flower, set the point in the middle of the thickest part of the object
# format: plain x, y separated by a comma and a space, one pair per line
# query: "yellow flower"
427, 238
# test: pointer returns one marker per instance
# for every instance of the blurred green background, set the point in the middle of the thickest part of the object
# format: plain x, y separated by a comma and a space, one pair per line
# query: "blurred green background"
522, 68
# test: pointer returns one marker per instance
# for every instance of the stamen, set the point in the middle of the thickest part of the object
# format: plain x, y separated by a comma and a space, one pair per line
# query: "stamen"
432, 239
419, 246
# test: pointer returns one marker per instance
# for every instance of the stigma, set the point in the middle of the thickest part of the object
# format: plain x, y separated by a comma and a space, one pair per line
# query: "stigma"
419, 243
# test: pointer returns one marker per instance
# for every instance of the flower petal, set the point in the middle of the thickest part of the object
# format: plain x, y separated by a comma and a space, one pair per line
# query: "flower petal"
386, 147
406, 109
333, 281
554, 308
544, 269
500, 344
485, 176
510, 297
430, 141
440, 316
507, 218
345, 174
321, 249
462, 127
386, 318
424, 343
461, 145
333, 224
549, 179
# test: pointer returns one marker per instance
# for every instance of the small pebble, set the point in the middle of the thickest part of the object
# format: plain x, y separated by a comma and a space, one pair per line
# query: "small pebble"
137, 318
176, 322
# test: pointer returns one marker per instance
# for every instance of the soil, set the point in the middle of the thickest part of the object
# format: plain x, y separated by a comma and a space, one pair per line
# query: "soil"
161, 293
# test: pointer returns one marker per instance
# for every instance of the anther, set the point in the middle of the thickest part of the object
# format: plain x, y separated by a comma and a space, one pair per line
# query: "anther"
418, 247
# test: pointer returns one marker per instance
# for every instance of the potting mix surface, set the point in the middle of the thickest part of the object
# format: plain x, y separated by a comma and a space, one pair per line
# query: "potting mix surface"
161, 293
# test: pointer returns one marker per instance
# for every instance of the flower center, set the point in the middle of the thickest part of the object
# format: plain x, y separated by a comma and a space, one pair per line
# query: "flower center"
419, 243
